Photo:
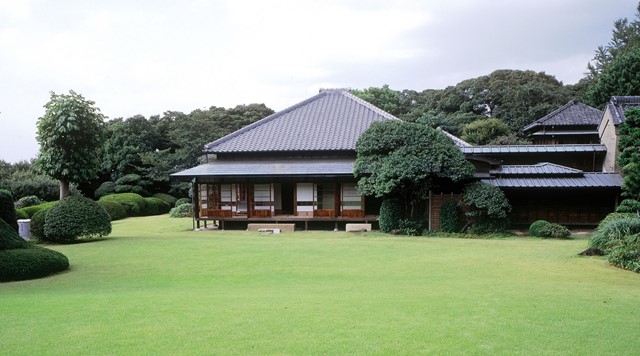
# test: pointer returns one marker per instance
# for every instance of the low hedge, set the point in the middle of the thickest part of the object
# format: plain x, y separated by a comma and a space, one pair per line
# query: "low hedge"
132, 203
30, 200
115, 210
169, 199
31, 210
21, 214
155, 206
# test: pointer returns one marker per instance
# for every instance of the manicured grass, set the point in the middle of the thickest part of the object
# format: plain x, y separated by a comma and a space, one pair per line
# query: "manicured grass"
154, 287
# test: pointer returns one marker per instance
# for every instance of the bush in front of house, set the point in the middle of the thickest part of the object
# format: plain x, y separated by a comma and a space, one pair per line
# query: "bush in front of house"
76, 217
391, 214
181, 211
627, 254
183, 201
450, 217
115, 210
167, 198
133, 203
30, 200
412, 227
487, 208
629, 206
543, 228
7, 210
611, 231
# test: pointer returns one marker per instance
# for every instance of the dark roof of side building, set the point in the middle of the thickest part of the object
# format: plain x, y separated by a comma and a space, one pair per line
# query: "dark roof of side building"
588, 180
617, 105
533, 149
543, 168
573, 113
332, 120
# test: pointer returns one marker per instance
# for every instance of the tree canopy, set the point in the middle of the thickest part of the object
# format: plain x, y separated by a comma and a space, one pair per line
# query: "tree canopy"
406, 160
620, 77
70, 137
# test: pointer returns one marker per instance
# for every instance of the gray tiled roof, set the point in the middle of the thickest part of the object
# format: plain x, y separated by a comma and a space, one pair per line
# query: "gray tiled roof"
271, 168
544, 168
573, 113
332, 120
532, 149
456, 140
588, 180
619, 104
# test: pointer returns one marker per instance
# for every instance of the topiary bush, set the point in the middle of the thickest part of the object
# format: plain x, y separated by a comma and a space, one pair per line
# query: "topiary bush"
181, 211
115, 210
487, 208
183, 201
169, 199
128, 179
628, 206
104, 189
543, 228
391, 214
450, 217
76, 217
31, 210
30, 200
20, 260
133, 203
7, 210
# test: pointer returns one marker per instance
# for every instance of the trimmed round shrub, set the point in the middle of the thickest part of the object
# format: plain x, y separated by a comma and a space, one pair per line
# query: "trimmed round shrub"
21, 214
115, 210
140, 190
169, 199
37, 224
450, 217
181, 211
32, 210
155, 206
543, 228
391, 214
30, 200
29, 263
128, 179
183, 201
105, 188
76, 217
132, 203
7, 210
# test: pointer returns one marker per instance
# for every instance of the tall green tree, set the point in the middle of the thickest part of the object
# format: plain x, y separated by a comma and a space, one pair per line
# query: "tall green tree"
482, 132
406, 160
70, 136
620, 77
629, 160
385, 98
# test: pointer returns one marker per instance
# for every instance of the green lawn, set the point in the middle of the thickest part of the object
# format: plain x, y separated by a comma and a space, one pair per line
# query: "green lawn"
153, 287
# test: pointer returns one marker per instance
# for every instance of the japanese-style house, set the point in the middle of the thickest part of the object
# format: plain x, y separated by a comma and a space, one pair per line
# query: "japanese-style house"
293, 166
297, 166
608, 128
572, 123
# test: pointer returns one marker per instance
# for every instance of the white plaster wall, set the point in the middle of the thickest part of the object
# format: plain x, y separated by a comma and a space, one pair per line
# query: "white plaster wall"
304, 192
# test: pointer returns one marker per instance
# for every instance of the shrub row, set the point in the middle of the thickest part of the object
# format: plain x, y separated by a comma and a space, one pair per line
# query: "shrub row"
123, 205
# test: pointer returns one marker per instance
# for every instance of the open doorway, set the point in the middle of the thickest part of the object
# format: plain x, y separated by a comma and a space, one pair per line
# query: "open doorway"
287, 198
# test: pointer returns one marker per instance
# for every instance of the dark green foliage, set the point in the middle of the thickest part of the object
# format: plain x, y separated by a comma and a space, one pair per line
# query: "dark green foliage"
29, 200
391, 214
38, 221
483, 131
115, 210
612, 231
24, 184
181, 211
129, 179
21, 214
70, 138
123, 188
412, 227
169, 199
400, 159
155, 206
628, 206
627, 254
7, 210
105, 188
9, 238
30, 262
542, 228
133, 203
487, 208
450, 217
621, 77
74, 218
140, 191
31, 210
183, 201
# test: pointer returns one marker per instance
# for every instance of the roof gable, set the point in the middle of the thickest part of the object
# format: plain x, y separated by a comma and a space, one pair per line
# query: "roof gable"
619, 104
332, 120
573, 113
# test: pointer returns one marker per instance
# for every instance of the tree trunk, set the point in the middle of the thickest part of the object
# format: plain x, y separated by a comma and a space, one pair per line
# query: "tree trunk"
64, 189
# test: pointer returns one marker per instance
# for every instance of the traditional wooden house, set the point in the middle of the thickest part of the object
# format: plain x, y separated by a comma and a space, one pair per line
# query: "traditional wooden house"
572, 123
608, 129
293, 166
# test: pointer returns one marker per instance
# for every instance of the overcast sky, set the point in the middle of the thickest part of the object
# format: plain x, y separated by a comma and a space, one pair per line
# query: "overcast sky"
146, 57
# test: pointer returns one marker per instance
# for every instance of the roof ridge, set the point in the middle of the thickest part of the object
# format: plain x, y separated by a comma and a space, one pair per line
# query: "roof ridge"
366, 104
264, 120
